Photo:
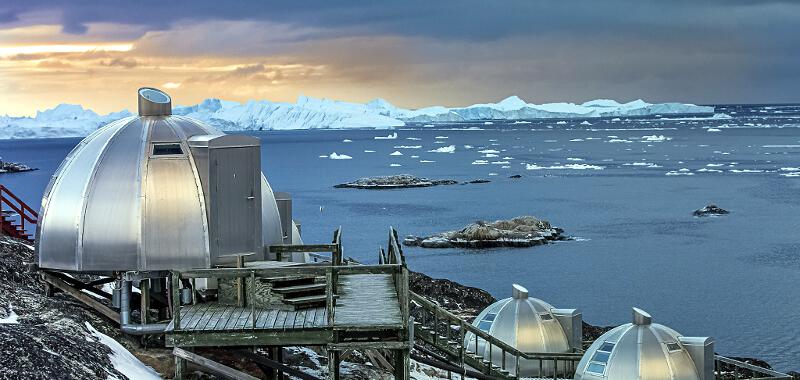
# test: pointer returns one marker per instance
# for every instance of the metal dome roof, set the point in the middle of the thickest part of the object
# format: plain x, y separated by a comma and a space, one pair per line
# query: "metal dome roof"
129, 197
525, 323
644, 350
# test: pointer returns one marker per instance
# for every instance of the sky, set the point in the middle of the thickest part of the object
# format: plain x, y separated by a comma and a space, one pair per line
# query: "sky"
412, 53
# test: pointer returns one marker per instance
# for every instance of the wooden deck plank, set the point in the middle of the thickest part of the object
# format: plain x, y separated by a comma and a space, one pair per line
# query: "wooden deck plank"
270, 321
310, 315
201, 312
367, 299
280, 319
234, 317
290, 316
213, 313
321, 319
223, 318
299, 319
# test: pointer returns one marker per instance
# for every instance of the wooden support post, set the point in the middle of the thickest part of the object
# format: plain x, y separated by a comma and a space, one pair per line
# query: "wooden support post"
279, 359
180, 368
402, 361
251, 300
176, 300
333, 364
240, 283
144, 309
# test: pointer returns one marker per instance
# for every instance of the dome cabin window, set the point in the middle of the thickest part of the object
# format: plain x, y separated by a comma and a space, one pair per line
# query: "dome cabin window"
167, 150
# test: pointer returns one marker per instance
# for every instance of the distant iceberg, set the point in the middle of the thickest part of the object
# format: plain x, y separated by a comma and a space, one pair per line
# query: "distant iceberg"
67, 120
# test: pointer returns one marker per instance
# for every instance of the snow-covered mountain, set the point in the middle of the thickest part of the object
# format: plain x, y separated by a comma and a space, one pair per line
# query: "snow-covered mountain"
67, 120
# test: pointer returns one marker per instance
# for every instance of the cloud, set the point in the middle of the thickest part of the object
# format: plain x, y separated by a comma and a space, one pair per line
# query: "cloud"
171, 85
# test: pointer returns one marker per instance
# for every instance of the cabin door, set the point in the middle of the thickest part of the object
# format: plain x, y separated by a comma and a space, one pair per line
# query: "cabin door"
236, 204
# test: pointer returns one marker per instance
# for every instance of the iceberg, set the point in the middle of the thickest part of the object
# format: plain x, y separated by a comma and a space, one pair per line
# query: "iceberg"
69, 120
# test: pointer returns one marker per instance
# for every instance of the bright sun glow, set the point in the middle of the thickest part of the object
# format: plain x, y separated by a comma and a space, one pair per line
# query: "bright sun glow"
63, 48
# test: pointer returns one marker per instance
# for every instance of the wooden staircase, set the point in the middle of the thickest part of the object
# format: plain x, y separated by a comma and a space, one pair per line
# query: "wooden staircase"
14, 214
446, 334
301, 292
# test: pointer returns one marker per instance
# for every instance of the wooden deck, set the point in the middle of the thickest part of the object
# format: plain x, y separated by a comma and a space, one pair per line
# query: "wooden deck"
365, 302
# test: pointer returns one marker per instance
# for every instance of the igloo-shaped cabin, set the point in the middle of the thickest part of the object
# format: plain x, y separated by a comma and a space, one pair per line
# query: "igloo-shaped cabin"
647, 351
529, 325
157, 192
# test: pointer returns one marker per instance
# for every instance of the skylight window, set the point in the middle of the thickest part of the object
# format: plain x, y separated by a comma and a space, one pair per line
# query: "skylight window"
486, 322
673, 347
597, 365
167, 149
546, 316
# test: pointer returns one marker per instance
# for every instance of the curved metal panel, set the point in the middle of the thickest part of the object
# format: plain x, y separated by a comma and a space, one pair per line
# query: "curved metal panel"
173, 235
63, 210
111, 220
271, 232
641, 350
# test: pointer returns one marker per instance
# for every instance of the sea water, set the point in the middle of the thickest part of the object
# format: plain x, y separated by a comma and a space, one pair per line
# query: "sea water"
625, 189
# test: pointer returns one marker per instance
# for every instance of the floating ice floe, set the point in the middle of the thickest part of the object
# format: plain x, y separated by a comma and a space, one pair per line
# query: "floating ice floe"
574, 159
505, 167
576, 140
508, 158
10, 318
585, 123
500, 162
683, 171
393, 136
521, 122
562, 167
492, 173
551, 141
396, 153
488, 151
122, 360
562, 122
746, 170
413, 138
619, 141
441, 137
347, 140
369, 151
468, 146
714, 165
780, 146
656, 138
480, 162
707, 170
408, 146
426, 161
616, 119
642, 164
487, 123
713, 130
444, 149
790, 169
490, 155
414, 156
395, 165
428, 126
336, 156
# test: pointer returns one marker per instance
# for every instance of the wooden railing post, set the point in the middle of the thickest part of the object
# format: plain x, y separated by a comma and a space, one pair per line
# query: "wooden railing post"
329, 285
176, 300
251, 300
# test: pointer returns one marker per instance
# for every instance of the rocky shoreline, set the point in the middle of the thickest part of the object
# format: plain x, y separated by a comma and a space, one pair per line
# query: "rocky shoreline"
710, 210
14, 167
519, 232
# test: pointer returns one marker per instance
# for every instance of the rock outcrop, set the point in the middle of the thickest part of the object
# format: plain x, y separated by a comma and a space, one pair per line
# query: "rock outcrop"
524, 231
394, 182
710, 210
13, 167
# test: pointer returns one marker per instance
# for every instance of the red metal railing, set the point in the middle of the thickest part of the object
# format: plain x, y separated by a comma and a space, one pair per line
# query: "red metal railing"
10, 202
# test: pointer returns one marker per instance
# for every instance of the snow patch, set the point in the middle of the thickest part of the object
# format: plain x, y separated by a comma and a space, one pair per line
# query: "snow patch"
122, 359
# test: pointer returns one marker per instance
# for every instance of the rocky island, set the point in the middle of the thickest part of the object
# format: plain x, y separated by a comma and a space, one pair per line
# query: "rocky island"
710, 210
523, 231
13, 167
399, 181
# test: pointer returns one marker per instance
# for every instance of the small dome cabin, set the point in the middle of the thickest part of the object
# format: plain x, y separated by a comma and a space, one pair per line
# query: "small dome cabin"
647, 351
159, 191
530, 325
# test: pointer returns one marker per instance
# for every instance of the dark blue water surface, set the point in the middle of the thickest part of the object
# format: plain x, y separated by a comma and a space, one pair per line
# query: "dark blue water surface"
734, 278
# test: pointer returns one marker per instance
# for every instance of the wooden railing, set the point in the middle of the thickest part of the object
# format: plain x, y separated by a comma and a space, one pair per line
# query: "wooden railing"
313, 250
448, 334
731, 369
25, 212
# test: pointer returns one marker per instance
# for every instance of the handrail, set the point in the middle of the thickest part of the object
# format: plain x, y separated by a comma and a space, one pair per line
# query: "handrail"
25, 212
773, 375
298, 270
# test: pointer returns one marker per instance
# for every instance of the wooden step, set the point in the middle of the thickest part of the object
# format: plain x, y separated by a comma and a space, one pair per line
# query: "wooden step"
300, 288
307, 300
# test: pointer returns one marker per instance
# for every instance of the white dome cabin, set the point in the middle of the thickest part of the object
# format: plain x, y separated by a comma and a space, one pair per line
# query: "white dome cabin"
647, 351
159, 192
530, 325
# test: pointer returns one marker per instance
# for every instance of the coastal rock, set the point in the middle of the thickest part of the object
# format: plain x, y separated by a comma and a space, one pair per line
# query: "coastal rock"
13, 167
710, 210
515, 176
394, 182
524, 231
480, 180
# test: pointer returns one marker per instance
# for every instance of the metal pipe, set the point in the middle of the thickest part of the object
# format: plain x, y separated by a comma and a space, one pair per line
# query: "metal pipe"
125, 316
